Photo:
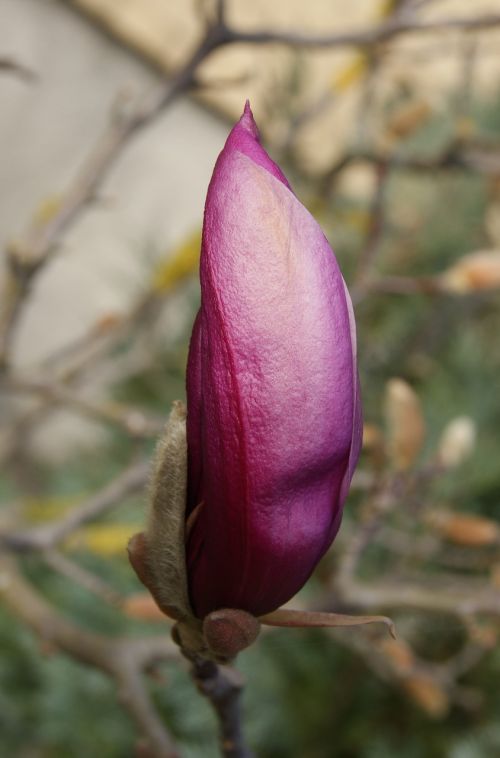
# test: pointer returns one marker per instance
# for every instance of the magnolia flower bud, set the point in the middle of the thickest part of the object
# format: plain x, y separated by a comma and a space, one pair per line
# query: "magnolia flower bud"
274, 413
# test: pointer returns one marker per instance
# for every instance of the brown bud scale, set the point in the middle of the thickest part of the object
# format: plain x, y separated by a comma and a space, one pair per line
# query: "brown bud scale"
229, 631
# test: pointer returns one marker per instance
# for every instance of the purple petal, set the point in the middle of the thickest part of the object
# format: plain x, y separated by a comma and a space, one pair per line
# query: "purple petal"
244, 137
194, 418
272, 397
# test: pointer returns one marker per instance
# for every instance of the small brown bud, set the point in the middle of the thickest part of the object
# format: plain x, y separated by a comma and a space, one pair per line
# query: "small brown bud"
229, 631
399, 654
473, 272
428, 694
466, 529
408, 118
372, 437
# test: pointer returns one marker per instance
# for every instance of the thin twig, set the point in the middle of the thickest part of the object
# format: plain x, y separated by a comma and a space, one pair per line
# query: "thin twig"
393, 27
462, 598
13, 66
396, 285
459, 155
49, 535
82, 577
132, 420
220, 11
123, 660
70, 365
81, 354
376, 225
27, 257
429, 547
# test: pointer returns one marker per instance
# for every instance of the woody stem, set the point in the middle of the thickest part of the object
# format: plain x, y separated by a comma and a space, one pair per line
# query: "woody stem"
222, 686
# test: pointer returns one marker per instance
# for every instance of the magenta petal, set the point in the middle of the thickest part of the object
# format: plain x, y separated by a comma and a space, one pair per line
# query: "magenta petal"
273, 406
194, 418
244, 137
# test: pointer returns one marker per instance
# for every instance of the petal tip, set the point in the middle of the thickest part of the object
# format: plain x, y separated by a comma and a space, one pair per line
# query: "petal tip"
247, 121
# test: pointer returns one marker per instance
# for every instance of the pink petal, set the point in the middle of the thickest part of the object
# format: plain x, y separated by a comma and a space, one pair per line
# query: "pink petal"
273, 409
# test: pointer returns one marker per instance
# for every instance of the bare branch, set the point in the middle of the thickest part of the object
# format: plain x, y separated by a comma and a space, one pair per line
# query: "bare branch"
131, 420
123, 660
72, 363
395, 26
133, 695
220, 11
49, 535
375, 225
12, 66
81, 576
465, 156
465, 598
26, 257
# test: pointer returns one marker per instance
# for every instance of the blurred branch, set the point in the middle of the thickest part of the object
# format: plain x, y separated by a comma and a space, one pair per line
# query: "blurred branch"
396, 285
376, 225
13, 437
393, 27
431, 686
12, 66
49, 535
380, 500
445, 593
429, 547
26, 258
123, 660
220, 11
133, 421
80, 357
468, 156
82, 577
72, 363
464, 597
417, 4
65, 361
